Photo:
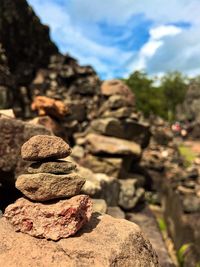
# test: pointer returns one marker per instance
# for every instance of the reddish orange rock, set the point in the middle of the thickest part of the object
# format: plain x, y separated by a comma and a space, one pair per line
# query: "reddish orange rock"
48, 106
51, 221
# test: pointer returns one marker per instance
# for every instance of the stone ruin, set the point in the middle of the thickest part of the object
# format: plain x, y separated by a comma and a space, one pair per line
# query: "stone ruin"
45, 213
126, 161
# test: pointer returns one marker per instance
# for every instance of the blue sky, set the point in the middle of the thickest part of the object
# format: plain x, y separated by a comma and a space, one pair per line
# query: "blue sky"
118, 37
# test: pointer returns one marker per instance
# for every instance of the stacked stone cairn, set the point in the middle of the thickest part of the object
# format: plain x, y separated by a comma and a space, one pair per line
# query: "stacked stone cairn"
52, 207
113, 144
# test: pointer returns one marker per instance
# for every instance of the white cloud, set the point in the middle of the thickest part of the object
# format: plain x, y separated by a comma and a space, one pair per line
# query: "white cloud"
119, 11
72, 40
164, 30
155, 42
179, 53
169, 47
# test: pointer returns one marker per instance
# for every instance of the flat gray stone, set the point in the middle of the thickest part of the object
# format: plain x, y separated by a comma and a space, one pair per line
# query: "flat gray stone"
54, 167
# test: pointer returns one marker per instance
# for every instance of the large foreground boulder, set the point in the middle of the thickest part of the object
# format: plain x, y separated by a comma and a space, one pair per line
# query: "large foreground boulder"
103, 242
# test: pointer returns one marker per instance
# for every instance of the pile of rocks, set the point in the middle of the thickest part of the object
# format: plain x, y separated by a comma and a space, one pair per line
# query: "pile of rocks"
72, 86
174, 178
112, 143
49, 179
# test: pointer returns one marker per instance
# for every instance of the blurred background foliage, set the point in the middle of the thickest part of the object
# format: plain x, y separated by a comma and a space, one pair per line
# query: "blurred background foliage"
159, 96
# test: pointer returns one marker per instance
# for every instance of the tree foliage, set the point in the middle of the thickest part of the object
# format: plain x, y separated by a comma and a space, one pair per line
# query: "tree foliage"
159, 97
174, 86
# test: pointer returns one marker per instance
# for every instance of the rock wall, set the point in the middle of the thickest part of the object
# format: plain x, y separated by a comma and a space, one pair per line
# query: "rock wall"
25, 40
104, 241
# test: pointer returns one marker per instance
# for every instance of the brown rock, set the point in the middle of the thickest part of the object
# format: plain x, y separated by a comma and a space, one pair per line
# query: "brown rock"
117, 87
46, 186
109, 166
48, 106
103, 144
129, 194
120, 113
107, 126
41, 147
51, 221
55, 167
138, 132
103, 242
99, 185
12, 135
115, 102
49, 124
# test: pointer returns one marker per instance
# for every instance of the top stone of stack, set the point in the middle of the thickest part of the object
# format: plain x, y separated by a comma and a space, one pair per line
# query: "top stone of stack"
117, 87
42, 147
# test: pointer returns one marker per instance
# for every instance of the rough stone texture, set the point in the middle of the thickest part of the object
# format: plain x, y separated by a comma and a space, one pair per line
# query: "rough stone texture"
117, 87
51, 221
12, 135
48, 106
46, 186
55, 167
103, 144
103, 242
129, 194
42, 147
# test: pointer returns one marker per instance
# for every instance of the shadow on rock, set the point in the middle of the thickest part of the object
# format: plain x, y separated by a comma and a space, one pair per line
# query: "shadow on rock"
90, 226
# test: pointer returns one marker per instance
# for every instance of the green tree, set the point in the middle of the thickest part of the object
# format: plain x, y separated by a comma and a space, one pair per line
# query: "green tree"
149, 99
174, 87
